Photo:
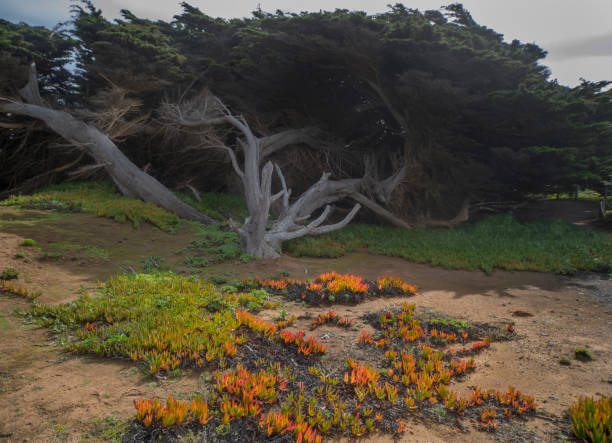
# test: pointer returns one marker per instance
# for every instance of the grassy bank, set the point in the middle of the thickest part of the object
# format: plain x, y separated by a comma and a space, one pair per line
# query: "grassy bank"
102, 199
495, 242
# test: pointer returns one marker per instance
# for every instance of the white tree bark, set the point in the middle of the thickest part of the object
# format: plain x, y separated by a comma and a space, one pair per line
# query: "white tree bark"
128, 177
259, 236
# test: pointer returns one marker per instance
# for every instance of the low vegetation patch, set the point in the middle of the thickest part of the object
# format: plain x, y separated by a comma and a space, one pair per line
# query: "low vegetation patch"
583, 354
214, 244
102, 199
331, 287
494, 242
93, 252
592, 419
97, 198
161, 319
9, 274
269, 380
218, 205
9, 288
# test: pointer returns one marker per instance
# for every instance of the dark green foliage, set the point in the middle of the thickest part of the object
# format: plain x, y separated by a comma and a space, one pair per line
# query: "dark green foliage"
196, 262
153, 264
472, 115
22, 44
110, 50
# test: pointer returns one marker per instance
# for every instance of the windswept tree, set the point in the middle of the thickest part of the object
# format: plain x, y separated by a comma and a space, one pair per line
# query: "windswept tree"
404, 82
434, 113
129, 178
250, 155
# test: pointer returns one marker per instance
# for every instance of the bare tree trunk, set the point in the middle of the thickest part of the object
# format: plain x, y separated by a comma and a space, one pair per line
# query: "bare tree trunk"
259, 237
379, 210
128, 177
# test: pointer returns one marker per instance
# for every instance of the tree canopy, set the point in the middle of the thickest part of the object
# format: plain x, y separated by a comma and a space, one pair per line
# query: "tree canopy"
469, 115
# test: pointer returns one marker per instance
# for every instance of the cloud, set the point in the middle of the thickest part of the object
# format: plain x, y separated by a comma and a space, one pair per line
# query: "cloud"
596, 46
33, 13
569, 71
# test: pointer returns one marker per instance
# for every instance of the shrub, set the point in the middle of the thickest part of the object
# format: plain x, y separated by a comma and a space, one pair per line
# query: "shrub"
28, 242
583, 354
9, 274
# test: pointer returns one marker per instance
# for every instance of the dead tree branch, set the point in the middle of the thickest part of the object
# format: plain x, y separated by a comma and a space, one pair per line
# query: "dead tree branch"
128, 177
211, 118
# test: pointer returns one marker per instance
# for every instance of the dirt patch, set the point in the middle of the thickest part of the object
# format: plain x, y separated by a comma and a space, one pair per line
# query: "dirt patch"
46, 394
61, 264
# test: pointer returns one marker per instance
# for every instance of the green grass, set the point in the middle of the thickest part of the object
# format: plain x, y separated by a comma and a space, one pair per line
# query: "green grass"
495, 242
97, 198
102, 199
213, 245
107, 429
89, 251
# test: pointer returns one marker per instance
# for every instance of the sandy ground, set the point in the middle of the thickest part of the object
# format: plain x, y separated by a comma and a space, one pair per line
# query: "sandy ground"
47, 395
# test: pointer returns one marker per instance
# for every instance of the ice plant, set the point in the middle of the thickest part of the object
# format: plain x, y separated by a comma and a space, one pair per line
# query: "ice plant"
592, 419
256, 324
153, 413
390, 282
333, 287
181, 322
9, 288
350, 283
331, 317
304, 346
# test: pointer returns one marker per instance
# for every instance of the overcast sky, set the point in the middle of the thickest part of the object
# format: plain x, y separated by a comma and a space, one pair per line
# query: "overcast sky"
576, 33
